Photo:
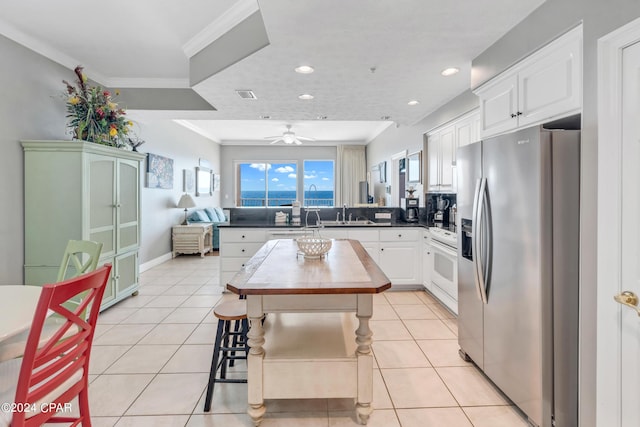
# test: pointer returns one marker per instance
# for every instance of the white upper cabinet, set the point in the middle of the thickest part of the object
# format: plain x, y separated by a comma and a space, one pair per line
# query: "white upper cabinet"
442, 147
545, 86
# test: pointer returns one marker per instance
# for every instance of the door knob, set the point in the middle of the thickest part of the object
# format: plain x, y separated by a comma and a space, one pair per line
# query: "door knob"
629, 299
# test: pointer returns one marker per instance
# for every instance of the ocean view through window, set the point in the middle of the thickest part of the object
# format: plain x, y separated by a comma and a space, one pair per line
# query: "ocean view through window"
319, 187
261, 184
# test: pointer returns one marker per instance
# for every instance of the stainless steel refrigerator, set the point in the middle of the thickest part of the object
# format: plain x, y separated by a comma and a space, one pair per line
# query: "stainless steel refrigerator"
518, 205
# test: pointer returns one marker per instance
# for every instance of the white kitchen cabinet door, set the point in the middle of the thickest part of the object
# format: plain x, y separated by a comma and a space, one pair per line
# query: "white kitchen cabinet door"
465, 132
433, 151
448, 158
551, 85
427, 262
499, 106
400, 262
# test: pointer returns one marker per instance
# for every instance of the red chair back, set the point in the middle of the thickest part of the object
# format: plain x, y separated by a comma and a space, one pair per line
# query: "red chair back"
58, 371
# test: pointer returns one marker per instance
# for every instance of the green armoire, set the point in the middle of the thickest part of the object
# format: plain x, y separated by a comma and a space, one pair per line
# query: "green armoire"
82, 191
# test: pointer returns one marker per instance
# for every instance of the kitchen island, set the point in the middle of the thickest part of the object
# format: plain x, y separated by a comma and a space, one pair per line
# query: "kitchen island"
306, 347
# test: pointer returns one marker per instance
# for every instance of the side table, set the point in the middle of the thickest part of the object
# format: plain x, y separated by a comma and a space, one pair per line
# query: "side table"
192, 239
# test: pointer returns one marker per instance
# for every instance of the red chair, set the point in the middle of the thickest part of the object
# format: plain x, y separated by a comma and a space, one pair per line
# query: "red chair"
46, 379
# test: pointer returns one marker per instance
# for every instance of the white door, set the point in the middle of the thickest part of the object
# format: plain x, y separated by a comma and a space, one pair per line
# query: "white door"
618, 335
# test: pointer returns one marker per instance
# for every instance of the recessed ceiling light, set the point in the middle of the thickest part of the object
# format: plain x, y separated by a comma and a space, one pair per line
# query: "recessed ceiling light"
385, 117
304, 69
413, 102
450, 71
305, 96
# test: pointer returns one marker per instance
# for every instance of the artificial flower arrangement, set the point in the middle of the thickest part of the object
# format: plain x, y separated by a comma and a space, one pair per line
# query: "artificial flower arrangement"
94, 116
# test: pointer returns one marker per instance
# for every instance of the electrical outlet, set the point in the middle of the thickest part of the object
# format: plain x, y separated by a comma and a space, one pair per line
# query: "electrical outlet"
383, 215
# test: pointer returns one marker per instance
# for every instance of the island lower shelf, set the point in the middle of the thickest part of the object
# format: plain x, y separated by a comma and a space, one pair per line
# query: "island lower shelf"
311, 355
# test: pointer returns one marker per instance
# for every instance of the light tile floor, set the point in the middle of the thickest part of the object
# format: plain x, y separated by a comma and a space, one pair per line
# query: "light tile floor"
152, 353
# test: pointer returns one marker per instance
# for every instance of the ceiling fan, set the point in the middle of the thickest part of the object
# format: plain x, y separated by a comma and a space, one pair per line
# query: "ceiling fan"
289, 137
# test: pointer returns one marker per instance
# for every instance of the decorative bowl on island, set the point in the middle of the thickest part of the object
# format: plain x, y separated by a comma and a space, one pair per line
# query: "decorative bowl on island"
313, 247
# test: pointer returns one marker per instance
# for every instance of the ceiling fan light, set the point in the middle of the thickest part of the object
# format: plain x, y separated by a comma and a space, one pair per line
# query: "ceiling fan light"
288, 138
304, 69
413, 102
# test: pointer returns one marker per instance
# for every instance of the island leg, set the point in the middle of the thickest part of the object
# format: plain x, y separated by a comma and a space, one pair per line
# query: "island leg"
254, 360
365, 358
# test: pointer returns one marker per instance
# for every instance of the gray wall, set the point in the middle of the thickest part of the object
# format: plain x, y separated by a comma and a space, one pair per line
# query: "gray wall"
32, 107
229, 154
159, 212
411, 138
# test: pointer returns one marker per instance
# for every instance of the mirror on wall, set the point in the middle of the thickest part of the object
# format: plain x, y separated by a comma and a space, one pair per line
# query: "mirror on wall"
414, 168
204, 181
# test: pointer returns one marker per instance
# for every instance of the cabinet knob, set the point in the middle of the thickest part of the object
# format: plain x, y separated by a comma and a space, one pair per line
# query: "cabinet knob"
513, 115
243, 236
519, 113
399, 235
242, 250
382, 249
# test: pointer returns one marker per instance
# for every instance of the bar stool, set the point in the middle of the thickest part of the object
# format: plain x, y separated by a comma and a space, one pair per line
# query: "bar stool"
224, 354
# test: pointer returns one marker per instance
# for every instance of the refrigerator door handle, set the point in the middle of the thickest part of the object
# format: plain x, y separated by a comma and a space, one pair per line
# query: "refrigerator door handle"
475, 240
482, 286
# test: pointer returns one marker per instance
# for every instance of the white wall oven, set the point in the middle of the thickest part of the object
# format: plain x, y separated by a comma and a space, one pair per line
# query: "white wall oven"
444, 276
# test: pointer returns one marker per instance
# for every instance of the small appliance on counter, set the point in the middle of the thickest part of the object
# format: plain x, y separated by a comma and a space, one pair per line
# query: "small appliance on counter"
295, 213
412, 209
441, 209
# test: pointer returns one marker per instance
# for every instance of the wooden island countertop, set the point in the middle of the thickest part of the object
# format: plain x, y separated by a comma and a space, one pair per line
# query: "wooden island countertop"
278, 269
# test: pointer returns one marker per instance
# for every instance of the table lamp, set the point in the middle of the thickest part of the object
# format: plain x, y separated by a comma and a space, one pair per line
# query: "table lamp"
186, 202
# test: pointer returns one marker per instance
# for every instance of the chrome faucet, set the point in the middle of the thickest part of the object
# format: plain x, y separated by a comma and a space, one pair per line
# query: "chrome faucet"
337, 216
344, 212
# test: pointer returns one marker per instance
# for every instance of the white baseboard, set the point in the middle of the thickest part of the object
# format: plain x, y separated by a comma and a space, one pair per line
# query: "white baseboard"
154, 262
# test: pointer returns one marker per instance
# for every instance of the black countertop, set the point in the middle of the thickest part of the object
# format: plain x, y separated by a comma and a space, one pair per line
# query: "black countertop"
262, 224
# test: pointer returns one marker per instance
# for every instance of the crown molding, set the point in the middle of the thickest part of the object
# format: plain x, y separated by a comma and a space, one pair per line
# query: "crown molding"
47, 51
187, 124
241, 10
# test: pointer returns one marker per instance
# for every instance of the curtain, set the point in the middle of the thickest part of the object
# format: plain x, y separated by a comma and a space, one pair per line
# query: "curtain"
352, 168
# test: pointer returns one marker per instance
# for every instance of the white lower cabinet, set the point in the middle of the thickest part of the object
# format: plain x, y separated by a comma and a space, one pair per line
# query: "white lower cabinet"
237, 245
400, 255
369, 239
397, 250
427, 260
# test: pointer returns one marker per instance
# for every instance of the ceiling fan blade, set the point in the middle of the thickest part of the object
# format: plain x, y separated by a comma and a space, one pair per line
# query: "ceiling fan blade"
297, 141
273, 137
304, 138
276, 140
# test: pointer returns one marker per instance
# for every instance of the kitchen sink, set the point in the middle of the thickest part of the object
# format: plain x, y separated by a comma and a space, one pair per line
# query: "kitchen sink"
353, 223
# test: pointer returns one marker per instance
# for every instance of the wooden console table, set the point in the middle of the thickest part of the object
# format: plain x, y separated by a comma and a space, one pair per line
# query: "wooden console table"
192, 239
307, 348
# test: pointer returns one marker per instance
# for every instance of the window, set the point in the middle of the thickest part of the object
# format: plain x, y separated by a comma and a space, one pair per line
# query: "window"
319, 183
266, 184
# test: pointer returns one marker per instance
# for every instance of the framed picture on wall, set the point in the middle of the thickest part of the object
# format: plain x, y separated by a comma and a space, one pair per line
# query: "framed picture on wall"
216, 181
414, 167
159, 172
204, 182
189, 181
382, 168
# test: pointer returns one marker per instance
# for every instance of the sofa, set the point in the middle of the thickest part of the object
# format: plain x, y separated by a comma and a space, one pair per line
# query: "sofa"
213, 216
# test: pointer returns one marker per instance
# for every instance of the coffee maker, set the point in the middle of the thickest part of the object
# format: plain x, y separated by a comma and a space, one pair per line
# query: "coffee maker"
412, 209
440, 209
